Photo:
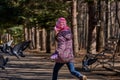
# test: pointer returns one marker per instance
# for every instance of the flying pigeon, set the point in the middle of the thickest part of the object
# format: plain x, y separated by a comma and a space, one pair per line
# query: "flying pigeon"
18, 49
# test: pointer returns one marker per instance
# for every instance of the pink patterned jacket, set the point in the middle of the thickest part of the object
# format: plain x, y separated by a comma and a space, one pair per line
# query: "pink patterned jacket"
64, 46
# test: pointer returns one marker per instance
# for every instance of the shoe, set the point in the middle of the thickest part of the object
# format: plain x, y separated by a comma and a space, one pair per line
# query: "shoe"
83, 77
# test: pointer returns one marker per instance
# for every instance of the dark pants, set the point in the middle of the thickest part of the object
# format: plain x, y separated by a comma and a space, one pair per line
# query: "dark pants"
70, 66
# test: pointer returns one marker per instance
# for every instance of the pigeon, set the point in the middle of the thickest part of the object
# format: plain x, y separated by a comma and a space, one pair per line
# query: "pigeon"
18, 49
89, 61
3, 61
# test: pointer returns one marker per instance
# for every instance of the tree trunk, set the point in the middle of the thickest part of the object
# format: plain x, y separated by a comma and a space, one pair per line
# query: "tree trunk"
43, 40
100, 31
48, 48
109, 19
74, 26
37, 39
33, 37
106, 21
91, 26
25, 33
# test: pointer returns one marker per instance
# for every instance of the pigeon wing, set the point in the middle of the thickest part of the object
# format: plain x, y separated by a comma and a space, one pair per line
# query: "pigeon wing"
20, 47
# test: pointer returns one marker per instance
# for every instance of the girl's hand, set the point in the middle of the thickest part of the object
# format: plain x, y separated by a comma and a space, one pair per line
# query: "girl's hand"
54, 56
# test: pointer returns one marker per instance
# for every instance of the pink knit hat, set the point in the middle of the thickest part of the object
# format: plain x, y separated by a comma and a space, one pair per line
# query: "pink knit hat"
61, 24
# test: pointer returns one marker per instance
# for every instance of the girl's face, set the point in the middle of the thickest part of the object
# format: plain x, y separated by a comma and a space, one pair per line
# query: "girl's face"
62, 24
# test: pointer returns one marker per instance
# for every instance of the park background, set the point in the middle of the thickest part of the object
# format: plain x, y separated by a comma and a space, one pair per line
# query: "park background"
92, 23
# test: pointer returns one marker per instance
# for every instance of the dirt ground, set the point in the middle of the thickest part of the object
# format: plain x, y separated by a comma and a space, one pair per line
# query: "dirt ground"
38, 66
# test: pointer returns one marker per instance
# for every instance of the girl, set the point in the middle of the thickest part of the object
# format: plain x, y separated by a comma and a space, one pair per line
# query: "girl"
64, 51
